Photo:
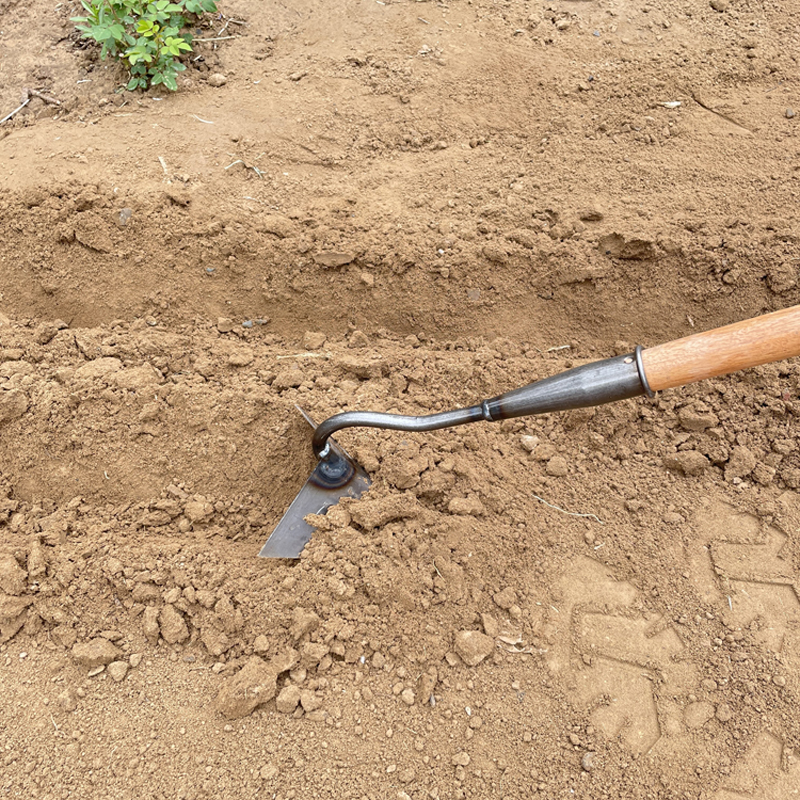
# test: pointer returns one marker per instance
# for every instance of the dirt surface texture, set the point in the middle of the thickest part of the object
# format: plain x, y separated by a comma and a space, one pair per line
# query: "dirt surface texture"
398, 206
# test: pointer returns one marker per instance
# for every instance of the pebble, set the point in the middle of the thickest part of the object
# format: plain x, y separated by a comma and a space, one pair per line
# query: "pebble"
407, 696
529, 443
118, 670
789, 113
217, 79
461, 759
586, 761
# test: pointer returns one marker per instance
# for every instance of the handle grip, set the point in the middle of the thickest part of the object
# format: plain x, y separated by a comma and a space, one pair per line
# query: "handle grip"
772, 337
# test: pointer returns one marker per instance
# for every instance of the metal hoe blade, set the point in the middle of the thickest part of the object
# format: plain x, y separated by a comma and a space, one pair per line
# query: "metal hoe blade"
333, 478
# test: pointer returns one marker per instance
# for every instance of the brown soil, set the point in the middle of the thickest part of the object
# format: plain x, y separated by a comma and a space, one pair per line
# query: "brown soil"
402, 206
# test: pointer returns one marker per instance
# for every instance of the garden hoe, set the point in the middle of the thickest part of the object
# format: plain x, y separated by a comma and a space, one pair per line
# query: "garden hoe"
768, 338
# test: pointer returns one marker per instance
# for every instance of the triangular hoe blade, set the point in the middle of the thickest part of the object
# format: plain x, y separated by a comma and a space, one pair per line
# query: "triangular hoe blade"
318, 494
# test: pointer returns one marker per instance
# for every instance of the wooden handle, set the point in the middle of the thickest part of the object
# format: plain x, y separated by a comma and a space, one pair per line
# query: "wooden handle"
762, 340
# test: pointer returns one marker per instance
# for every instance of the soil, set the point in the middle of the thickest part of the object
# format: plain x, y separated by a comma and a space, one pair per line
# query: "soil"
399, 206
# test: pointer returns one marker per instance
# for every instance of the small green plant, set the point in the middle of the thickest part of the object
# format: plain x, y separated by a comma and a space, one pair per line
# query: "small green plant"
149, 37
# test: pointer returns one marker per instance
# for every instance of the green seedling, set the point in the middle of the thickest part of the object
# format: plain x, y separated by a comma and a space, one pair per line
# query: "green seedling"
148, 37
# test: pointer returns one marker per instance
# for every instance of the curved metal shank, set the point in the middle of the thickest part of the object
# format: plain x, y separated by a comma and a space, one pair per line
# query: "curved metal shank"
397, 422
588, 385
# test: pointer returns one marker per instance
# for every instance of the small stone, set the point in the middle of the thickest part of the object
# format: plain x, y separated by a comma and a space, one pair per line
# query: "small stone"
461, 759
789, 113
720, 5
118, 670
135, 659
368, 279
529, 443
261, 645
473, 646
407, 696
95, 653
225, 325
557, 467
779, 680
288, 699
587, 761
217, 79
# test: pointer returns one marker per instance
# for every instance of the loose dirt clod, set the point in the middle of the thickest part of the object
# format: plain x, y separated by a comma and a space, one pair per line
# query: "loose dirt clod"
473, 646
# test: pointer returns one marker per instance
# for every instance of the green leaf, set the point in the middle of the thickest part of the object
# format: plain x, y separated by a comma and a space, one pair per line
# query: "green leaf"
133, 83
157, 78
170, 82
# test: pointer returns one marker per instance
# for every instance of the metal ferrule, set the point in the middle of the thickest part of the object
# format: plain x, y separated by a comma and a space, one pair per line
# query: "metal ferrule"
590, 385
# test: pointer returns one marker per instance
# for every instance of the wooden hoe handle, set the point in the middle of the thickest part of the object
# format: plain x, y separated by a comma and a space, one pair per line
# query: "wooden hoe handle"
761, 340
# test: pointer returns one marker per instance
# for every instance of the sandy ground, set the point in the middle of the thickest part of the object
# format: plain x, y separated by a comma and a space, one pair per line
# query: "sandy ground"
400, 206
